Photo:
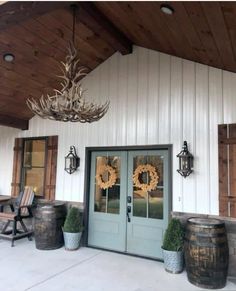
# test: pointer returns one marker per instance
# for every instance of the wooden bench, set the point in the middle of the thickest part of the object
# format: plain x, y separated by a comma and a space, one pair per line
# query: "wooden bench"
22, 211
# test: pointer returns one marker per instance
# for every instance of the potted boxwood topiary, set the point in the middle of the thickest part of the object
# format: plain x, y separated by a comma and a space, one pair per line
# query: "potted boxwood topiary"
173, 247
72, 229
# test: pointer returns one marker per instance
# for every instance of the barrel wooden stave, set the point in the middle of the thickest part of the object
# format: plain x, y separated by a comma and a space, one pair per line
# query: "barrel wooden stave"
48, 222
206, 254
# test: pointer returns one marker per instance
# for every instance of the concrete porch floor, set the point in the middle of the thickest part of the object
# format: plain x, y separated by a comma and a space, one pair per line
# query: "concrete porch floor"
23, 267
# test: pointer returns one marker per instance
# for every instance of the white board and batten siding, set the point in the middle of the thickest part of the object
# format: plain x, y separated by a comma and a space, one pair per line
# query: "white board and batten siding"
154, 99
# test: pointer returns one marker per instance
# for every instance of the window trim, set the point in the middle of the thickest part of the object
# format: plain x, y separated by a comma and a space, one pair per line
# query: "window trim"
22, 178
51, 166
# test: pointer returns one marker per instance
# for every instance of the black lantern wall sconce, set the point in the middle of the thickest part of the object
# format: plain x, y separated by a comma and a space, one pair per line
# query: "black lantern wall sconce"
185, 161
72, 161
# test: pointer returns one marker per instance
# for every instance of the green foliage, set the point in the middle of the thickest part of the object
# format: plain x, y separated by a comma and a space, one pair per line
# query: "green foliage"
174, 236
72, 223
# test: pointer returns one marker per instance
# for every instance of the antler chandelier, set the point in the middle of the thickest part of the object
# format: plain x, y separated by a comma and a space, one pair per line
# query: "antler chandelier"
69, 104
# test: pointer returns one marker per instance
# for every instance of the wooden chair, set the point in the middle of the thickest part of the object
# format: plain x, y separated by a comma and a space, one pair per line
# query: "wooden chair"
22, 211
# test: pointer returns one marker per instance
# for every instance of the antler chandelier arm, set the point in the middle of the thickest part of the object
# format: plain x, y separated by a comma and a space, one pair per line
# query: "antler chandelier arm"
68, 103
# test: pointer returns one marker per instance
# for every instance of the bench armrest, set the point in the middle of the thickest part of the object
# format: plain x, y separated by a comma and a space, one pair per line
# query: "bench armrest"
24, 206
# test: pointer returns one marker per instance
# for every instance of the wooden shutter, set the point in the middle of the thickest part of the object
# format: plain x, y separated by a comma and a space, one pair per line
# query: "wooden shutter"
17, 164
51, 168
227, 169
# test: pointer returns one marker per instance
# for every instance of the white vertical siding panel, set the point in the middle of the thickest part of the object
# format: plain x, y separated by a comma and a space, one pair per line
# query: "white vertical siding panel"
66, 179
122, 101
229, 89
75, 178
103, 96
80, 142
66, 140
7, 142
152, 105
215, 118
113, 90
202, 140
92, 91
60, 164
6, 157
189, 105
142, 96
176, 134
91, 129
61, 155
132, 98
164, 99
62, 148
97, 85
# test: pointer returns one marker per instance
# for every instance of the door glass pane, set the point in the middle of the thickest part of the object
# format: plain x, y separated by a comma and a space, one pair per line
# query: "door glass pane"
34, 177
100, 199
148, 202
114, 199
34, 165
34, 153
155, 203
157, 162
139, 195
107, 185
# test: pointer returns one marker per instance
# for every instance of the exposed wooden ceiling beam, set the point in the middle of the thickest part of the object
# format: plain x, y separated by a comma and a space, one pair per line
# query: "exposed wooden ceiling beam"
12, 13
90, 16
14, 122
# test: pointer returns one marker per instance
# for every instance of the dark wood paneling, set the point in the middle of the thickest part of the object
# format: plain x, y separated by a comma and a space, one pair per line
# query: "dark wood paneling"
229, 13
232, 169
62, 36
17, 162
39, 44
15, 12
95, 20
219, 30
51, 168
227, 169
199, 21
183, 20
198, 31
84, 36
144, 32
14, 122
129, 19
223, 170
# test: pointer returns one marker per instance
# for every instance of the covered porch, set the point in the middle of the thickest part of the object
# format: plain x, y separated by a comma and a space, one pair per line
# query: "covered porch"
165, 74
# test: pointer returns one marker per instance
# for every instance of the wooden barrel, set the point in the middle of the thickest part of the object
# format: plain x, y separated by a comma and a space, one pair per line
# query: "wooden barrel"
48, 221
206, 252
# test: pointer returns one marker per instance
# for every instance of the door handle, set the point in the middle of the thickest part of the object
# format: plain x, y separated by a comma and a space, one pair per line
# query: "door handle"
128, 212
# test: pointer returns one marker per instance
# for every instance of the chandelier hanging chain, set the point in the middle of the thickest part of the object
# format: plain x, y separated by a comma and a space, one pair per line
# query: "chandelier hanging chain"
69, 104
74, 7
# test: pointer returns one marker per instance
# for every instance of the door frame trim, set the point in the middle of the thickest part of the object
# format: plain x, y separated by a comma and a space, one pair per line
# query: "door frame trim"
88, 154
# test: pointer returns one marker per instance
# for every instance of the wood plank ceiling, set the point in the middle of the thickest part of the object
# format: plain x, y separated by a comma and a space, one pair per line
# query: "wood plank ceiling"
37, 33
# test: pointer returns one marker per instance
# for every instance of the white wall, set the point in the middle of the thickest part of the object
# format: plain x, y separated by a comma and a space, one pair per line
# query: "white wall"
7, 137
155, 99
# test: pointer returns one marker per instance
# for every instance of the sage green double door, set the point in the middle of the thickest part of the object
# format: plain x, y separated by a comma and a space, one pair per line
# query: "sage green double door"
124, 217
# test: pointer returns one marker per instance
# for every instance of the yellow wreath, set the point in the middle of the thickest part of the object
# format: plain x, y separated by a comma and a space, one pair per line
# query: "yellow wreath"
112, 176
153, 175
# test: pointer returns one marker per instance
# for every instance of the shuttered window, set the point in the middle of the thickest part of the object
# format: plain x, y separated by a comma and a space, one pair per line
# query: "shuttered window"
227, 169
35, 163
